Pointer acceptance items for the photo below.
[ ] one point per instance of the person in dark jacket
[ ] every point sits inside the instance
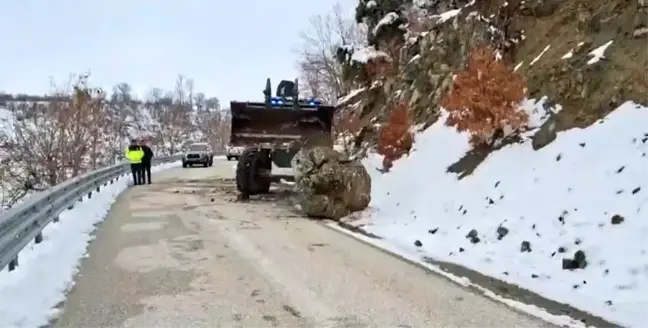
(134, 154)
(146, 162)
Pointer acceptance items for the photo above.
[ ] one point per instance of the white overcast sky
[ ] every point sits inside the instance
(227, 47)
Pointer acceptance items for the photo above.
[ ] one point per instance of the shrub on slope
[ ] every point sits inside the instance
(485, 99)
(395, 138)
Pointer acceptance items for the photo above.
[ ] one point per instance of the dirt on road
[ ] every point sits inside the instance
(184, 253)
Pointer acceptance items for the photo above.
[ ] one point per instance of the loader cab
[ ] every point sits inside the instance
(286, 89)
(287, 93)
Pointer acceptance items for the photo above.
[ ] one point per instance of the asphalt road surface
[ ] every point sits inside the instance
(183, 253)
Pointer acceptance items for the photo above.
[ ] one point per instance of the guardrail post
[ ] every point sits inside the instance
(13, 263)
(56, 219)
(90, 195)
(39, 238)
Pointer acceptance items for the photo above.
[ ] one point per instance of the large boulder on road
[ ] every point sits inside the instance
(329, 184)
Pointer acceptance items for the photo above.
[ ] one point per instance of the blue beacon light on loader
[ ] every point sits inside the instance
(277, 101)
(314, 102)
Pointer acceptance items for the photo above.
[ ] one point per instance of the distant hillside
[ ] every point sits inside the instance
(45, 140)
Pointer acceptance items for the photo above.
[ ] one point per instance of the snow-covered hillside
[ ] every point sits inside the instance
(523, 215)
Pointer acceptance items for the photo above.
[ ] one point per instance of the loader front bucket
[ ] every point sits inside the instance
(256, 124)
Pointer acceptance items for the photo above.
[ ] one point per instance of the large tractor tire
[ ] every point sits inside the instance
(252, 172)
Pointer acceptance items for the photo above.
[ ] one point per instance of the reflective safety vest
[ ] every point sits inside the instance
(134, 156)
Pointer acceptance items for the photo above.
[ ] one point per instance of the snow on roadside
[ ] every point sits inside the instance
(29, 294)
(588, 191)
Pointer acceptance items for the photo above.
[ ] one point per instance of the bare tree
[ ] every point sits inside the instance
(222, 135)
(121, 115)
(200, 100)
(47, 143)
(175, 121)
(122, 92)
(189, 86)
(84, 116)
(321, 72)
(180, 91)
(212, 104)
(153, 99)
(215, 126)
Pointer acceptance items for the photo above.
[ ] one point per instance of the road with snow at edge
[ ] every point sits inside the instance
(183, 253)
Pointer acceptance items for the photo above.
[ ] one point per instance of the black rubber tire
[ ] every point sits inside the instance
(248, 178)
(184, 165)
(229, 158)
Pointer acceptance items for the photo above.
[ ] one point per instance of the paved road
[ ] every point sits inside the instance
(183, 253)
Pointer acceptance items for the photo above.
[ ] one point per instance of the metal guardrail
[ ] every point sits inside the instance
(25, 222)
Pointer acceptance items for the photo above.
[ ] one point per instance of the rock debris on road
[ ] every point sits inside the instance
(182, 253)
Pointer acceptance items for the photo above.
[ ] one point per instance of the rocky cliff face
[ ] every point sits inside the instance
(587, 56)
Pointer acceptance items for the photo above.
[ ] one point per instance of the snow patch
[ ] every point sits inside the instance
(540, 55)
(518, 66)
(388, 19)
(530, 210)
(364, 55)
(344, 100)
(598, 53)
(538, 113)
(568, 55)
(443, 17)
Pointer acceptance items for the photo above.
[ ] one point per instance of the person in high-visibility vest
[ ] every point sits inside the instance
(134, 154)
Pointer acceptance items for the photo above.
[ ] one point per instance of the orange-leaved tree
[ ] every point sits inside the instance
(485, 99)
(395, 138)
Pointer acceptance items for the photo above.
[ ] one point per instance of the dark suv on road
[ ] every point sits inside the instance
(198, 153)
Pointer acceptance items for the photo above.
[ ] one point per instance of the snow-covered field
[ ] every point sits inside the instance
(29, 294)
(523, 211)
